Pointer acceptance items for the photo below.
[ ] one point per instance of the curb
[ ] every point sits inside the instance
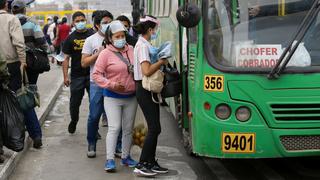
(12, 162)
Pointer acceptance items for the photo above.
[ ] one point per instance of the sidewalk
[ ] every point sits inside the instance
(63, 156)
(49, 85)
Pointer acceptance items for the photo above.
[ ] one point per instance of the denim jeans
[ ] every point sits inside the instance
(30, 116)
(77, 88)
(95, 111)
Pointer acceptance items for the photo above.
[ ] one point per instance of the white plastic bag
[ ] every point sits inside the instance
(301, 57)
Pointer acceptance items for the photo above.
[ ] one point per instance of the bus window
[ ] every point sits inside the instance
(252, 33)
(167, 7)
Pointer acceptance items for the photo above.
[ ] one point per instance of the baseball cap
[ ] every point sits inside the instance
(116, 26)
(18, 4)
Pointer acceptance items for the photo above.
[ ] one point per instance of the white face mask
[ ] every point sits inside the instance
(50, 21)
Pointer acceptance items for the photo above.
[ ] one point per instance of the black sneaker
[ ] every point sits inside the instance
(72, 127)
(158, 169)
(37, 143)
(142, 169)
(2, 159)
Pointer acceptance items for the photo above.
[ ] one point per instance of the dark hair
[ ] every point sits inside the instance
(124, 18)
(108, 36)
(94, 14)
(102, 14)
(55, 19)
(77, 14)
(64, 20)
(3, 4)
(18, 10)
(143, 27)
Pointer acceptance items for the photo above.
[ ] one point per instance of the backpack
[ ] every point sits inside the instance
(37, 59)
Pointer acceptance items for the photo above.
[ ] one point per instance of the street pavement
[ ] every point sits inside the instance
(63, 156)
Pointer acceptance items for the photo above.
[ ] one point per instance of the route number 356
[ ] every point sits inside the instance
(213, 83)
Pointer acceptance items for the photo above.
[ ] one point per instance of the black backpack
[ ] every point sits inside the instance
(37, 59)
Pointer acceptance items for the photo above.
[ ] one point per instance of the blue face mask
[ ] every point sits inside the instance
(104, 28)
(119, 43)
(154, 36)
(81, 25)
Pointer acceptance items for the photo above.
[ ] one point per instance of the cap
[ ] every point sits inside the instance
(116, 26)
(18, 4)
(49, 18)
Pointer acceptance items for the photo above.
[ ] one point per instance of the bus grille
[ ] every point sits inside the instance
(192, 64)
(298, 143)
(296, 112)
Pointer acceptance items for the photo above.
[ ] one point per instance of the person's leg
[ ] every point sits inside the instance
(114, 116)
(95, 111)
(77, 89)
(128, 117)
(152, 115)
(32, 77)
(33, 127)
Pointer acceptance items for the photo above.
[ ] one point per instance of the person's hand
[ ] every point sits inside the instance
(66, 82)
(254, 11)
(119, 87)
(100, 49)
(164, 61)
(23, 65)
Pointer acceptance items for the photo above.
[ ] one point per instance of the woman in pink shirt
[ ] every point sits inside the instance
(113, 71)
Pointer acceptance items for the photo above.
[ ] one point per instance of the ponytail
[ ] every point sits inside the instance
(143, 26)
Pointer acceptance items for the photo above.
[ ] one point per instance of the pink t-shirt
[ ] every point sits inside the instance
(109, 70)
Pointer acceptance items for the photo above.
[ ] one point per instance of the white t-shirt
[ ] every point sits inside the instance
(91, 46)
(141, 54)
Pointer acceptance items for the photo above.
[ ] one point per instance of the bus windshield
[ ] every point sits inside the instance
(246, 34)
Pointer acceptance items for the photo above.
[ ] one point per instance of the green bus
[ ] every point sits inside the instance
(250, 68)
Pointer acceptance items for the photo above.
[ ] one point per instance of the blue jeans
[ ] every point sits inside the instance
(95, 111)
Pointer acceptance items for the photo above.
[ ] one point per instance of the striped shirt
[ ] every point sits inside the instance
(141, 54)
(33, 35)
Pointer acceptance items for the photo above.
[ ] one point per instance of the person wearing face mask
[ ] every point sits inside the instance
(45, 30)
(80, 77)
(143, 66)
(127, 24)
(90, 52)
(113, 72)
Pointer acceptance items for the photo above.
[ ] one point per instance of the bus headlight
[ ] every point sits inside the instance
(223, 111)
(243, 114)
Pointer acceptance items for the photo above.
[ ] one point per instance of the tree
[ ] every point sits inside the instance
(67, 7)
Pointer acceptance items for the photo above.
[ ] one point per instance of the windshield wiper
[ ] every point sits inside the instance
(298, 36)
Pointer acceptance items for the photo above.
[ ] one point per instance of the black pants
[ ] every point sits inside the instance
(77, 88)
(151, 112)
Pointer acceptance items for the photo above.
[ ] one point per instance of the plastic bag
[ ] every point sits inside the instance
(140, 129)
(11, 121)
(301, 57)
(164, 51)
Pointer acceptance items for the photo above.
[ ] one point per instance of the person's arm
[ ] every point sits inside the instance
(87, 60)
(98, 74)
(17, 39)
(40, 39)
(65, 68)
(148, 69)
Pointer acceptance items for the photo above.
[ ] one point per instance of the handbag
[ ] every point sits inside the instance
(153, 83)
(172, 83)
(27, 95)
(37, 60)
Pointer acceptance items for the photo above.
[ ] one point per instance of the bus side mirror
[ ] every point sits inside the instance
(188, 15)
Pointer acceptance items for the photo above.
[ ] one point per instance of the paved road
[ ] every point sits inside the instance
(64, 156)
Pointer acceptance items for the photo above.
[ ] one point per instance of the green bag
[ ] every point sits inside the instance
(27, 95)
